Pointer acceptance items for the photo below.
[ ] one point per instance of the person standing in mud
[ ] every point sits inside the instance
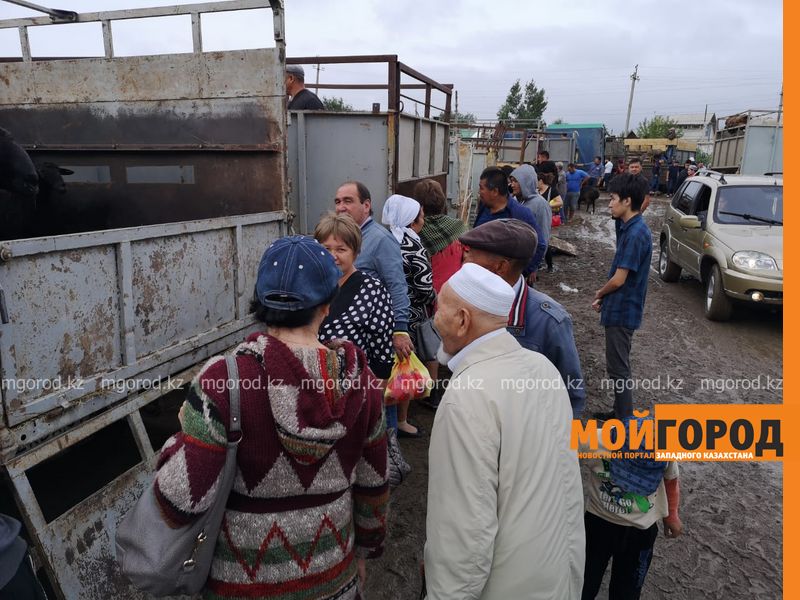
(635, 169)
(626, 497)
(499, 527)
(620, 301)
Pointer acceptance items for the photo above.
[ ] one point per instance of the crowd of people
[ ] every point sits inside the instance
(319, 446)
(321, 450)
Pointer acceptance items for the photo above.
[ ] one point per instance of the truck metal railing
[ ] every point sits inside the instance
(512, 141)
(751, 142)
(387, 149)
(393, 85)
(107, 17)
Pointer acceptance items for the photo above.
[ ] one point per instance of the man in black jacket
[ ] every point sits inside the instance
(302, 99)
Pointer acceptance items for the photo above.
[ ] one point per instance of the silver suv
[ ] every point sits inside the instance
(727, 231)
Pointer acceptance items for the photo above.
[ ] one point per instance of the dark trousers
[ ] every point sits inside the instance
(24, 585)
(548, 257)
(618, 365)
(630, 549)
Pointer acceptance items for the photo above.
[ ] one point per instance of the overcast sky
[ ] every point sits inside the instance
(723, 53)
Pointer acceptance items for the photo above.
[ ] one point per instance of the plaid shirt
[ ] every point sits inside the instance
(624, 307)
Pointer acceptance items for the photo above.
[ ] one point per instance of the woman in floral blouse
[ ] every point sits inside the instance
(405, 217)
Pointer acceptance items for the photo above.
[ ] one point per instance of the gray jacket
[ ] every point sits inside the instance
(380, 256)
(526, 175)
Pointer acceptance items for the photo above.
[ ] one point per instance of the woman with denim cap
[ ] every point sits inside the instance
(310, 496)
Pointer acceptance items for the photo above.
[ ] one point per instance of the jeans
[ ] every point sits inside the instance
(571, 201)
(671, 187)
(618, 365)
(654, 183)
(629, 548)
(391, 417)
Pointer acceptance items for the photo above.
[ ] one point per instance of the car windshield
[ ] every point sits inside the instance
(750, 205)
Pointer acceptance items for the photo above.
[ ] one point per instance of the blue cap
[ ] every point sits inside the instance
(296, 272)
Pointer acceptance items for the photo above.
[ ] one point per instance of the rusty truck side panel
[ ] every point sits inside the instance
(115, 292)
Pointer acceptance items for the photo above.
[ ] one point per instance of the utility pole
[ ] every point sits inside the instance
(634, 79)
(316, 84)
(772, 167)
(705, 123)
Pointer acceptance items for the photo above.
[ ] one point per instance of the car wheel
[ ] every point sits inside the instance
(667, 270)
(718, 306)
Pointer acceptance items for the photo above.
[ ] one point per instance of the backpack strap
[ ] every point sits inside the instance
(235, 425)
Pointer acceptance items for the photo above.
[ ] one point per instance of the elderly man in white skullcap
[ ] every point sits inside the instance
(505, 502)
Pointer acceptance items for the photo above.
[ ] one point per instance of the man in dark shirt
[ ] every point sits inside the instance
(655, 179)
(683, 174)
(595, 171)
(620, 301)
(672, 177)
(545, 165)
(302, 99)
(635, 168)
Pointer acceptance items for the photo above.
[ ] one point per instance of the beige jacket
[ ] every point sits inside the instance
(505, 503)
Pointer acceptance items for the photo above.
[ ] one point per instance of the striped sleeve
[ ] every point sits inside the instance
(190, 463)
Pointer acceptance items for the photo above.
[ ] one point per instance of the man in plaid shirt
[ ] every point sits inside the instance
(620, 301)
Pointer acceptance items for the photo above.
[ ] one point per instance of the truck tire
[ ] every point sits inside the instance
(667, 270)
(718, 306)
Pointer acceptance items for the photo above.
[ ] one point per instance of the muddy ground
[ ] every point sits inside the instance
(731, 512)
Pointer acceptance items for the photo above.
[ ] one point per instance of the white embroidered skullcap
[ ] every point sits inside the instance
(483, 289)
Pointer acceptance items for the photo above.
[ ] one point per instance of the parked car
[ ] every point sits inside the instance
(727, 231)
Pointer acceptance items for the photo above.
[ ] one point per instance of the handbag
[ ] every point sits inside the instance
(164, 561)
(428, 340)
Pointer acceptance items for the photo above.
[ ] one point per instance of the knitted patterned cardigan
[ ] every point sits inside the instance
(310, 493)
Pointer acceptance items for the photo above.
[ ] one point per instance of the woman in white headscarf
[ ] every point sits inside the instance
(405, 218)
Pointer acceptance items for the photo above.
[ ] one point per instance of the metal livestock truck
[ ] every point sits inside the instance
(142, 269)
(751, 143)
(182, 168)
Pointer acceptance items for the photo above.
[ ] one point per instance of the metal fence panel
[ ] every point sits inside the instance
(326, 149)
(405, 151)
(64, 324)
(182, 286)
(763, 151)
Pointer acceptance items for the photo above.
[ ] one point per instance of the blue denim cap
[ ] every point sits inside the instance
(296, 272)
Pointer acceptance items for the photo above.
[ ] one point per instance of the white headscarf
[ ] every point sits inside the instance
(398, 213)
